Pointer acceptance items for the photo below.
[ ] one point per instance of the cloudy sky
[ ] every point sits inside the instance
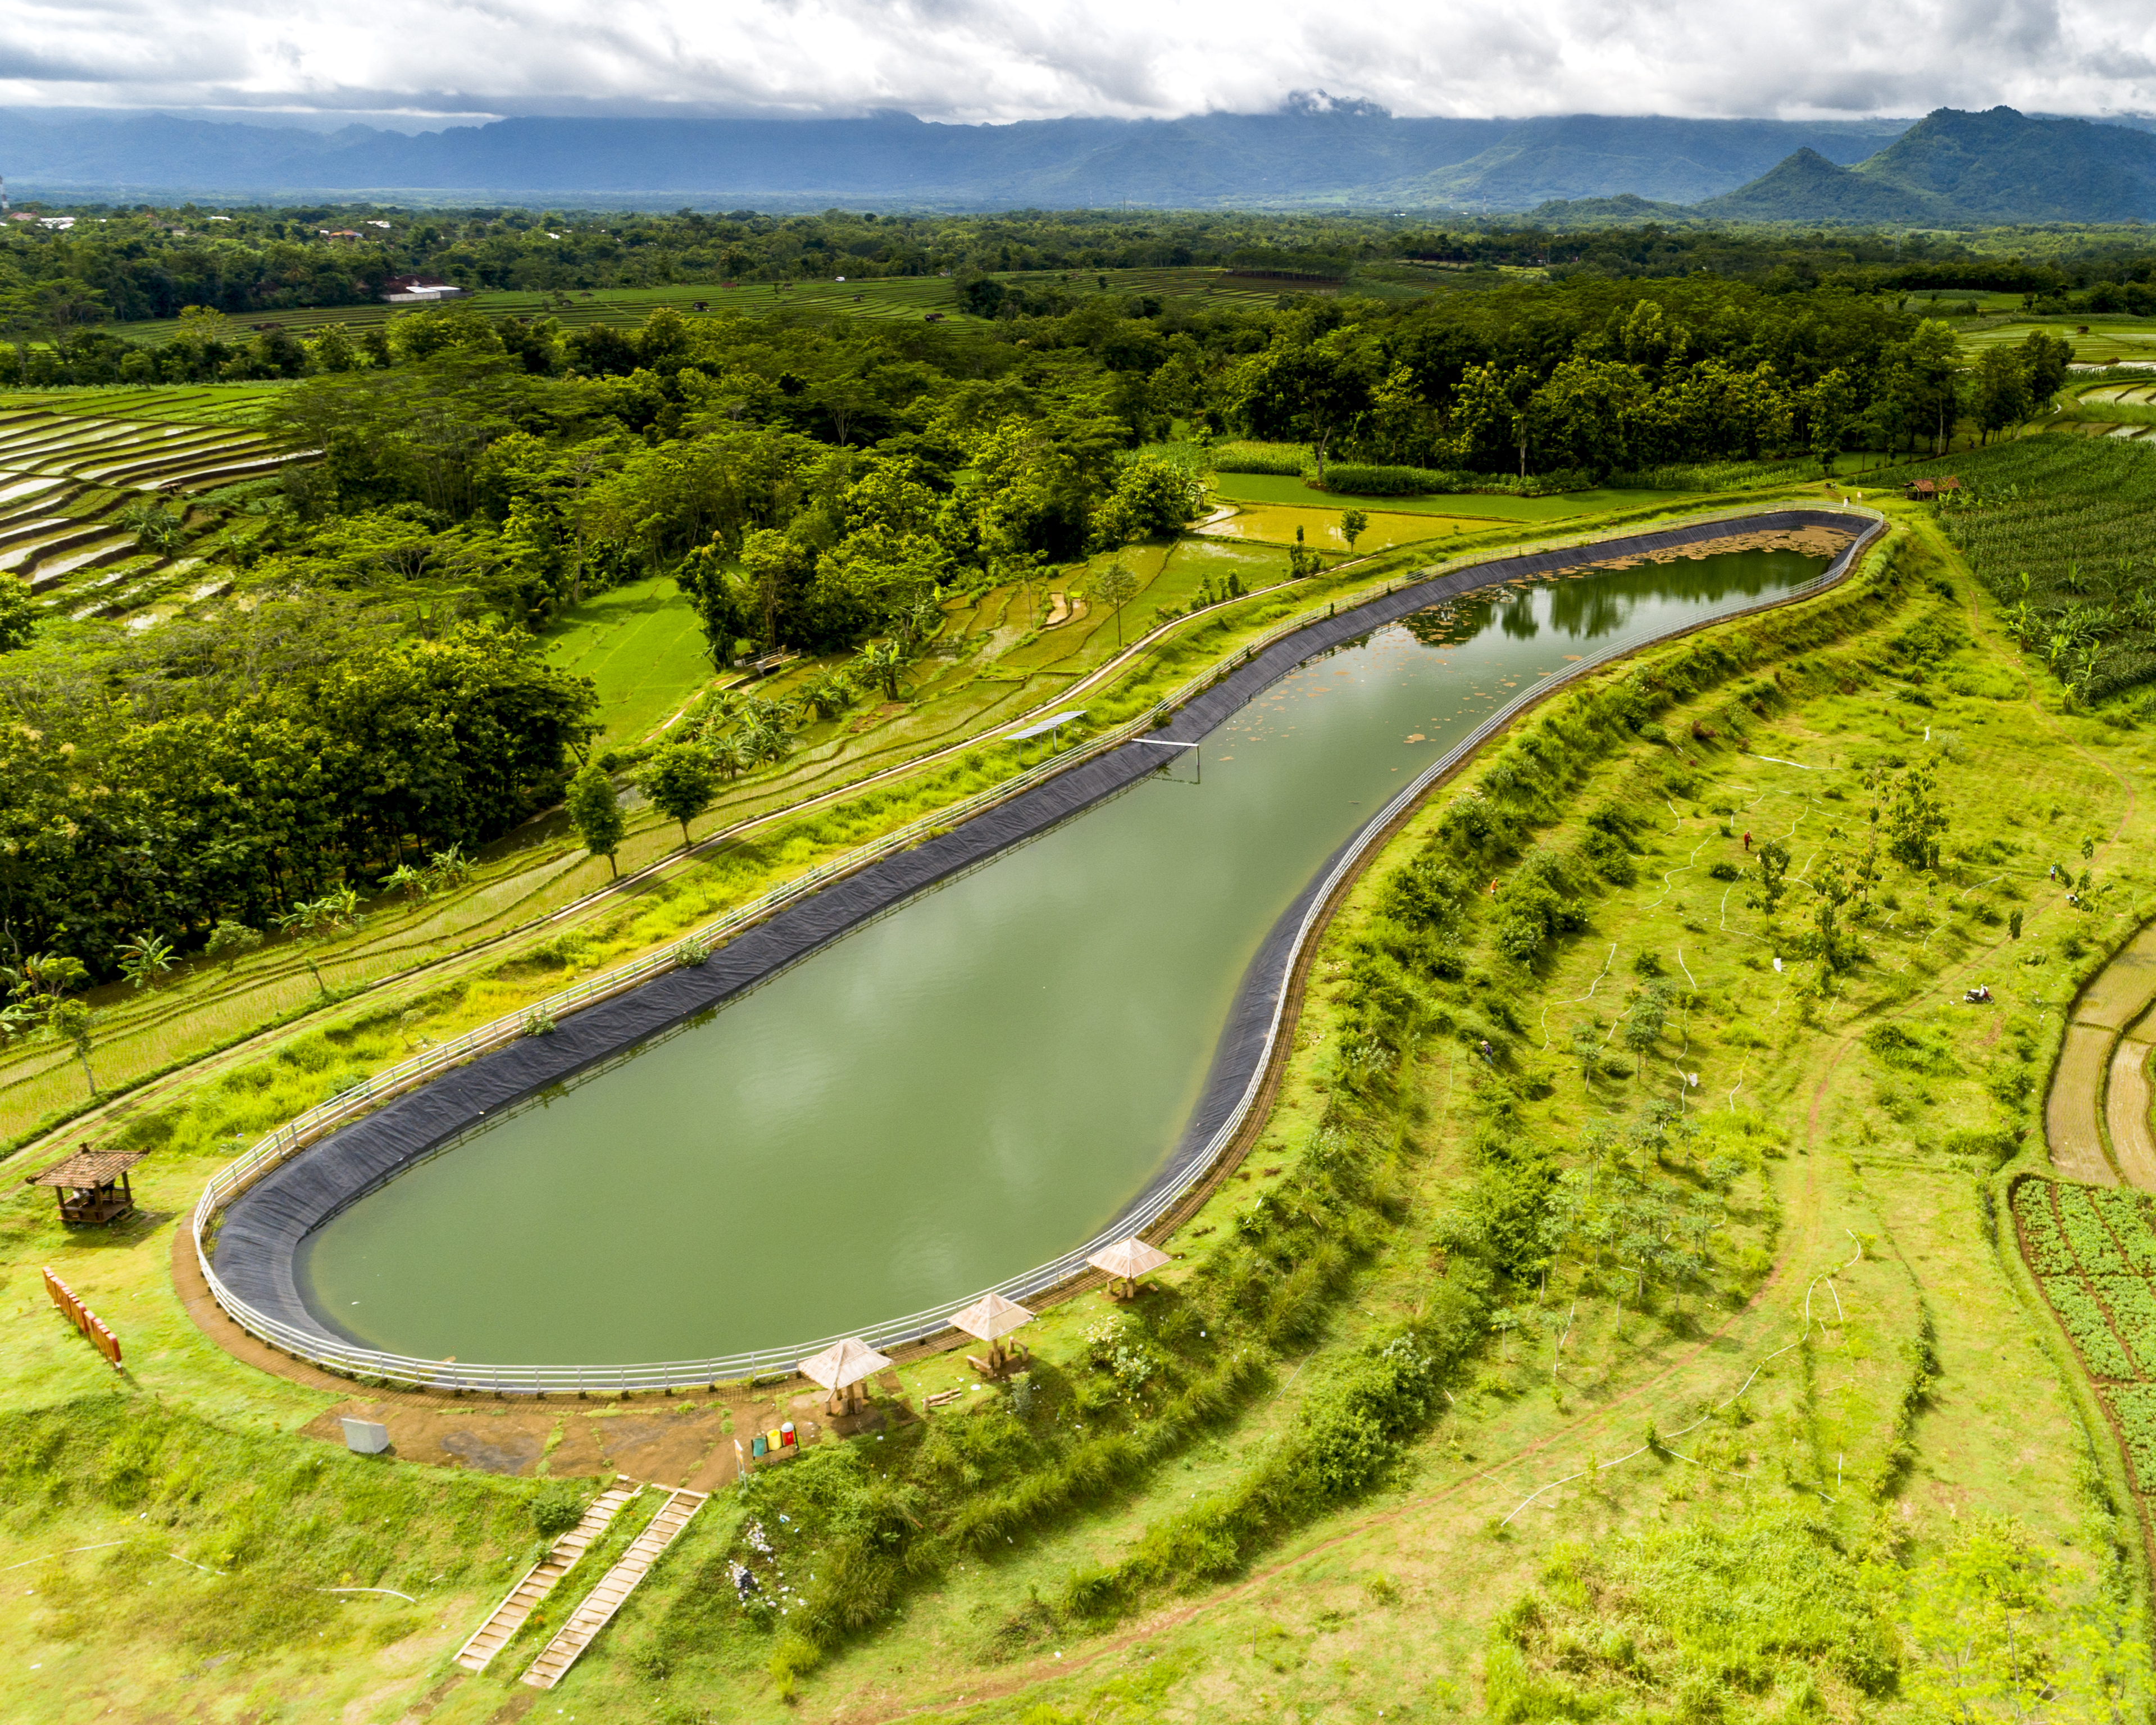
(1012, 60)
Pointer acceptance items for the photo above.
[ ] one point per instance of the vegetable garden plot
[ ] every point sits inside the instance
(2094, 1254)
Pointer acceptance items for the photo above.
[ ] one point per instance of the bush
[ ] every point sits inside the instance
(792, 1659)
(1292, 459)
(556, 1509)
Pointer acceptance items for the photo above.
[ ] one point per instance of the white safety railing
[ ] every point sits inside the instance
(318, 1122)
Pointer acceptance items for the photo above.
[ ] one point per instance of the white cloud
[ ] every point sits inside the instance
(1010, 59)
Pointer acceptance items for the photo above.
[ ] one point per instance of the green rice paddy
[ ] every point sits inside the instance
(641, 645)
(2107, 341)
(65, 479)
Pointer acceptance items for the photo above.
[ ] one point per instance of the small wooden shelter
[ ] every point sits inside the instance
(1127, 1260)
(840, 1368)
(93, 1184)
(992, 1317)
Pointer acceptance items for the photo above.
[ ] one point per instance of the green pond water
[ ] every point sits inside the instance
(970, 1087)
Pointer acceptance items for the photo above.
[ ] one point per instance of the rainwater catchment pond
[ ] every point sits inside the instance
(972, 1085)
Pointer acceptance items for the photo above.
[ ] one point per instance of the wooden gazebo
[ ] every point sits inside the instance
(93, 1184)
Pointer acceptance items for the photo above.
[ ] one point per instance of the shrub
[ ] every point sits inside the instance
(1292, 459)
(556, 1509)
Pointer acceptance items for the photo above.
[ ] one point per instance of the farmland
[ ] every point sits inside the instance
(2094, 1251)
(67, 480)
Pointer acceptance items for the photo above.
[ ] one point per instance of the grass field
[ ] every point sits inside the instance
(641, 645)
(1484, 505)
(1869, 1364)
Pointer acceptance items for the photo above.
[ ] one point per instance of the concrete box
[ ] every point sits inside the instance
(364, 1437)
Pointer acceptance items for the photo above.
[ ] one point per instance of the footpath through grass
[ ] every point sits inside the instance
(1759, 1333)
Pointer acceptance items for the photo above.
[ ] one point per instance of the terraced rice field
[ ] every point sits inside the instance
(66, 478)
(2114, 340)
(242, 404)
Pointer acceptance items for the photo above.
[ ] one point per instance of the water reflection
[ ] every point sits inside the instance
(1602, 603)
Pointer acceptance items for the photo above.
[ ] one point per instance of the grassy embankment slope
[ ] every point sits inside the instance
(1906, 1386)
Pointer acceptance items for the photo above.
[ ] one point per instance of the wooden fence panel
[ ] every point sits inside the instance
(84, 1319)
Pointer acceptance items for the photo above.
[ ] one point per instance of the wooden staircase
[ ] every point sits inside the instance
(616, 1585)
(523, 1598)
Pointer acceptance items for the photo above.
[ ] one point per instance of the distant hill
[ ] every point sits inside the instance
(1958, 170)
(1674, 162)
(1314, 152)
(1625, 210)
(1808, 188)
(2005, 167)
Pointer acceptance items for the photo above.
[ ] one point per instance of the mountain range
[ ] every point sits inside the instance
(1951, 169)
(1315, 151)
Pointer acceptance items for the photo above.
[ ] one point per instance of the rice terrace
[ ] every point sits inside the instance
(1226, 960)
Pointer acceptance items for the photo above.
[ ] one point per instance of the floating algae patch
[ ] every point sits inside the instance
(972, 1085)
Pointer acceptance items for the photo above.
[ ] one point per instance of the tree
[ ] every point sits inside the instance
(19, 614)
(595, 811)
(2002, 395)
(1773, 873)
(1916, 819)
(703, 578)
(1586, 1048)
(1830, 405)
(42, 1002)
(829, 693)
(883, 664)
(1315, 386)
(1114, 587)
(229, 940)
(314, 921)
(1153, 496)
(680, 781)
(2045, 359)
(1353, 524)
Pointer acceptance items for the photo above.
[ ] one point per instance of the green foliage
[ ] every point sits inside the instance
(19, 614)
(1680, 1620)
(595, 811)
(557, 1508)
(347, 755)
(680, 781)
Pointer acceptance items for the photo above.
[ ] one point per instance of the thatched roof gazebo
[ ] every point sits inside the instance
(841, 1367)
(992, 1317)
(1127, 1260)
(93, 1185)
